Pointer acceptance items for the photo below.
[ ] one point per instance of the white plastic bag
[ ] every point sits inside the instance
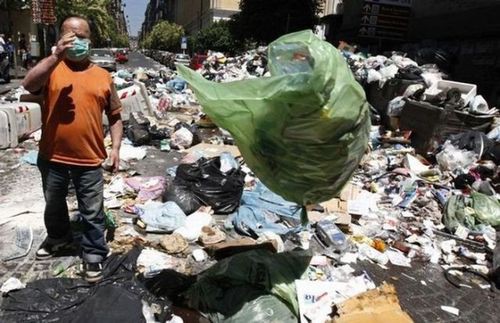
(182, 138)
(453, 159)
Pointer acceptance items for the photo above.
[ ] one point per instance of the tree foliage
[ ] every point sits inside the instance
(265, 20)
(164, 36)
(217, 37)
(120, 40)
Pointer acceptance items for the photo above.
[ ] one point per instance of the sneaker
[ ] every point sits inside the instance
(48, 249)
(92, 271)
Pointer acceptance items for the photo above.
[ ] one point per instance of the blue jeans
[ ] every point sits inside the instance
(88, 182)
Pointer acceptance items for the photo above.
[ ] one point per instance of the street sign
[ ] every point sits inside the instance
(184, 42)
(385, 19)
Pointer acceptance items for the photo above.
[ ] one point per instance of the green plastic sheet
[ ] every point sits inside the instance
(471, 211)
(303, 130)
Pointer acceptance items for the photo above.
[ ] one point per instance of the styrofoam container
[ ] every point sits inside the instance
(468, 90)
(134, 98)
(8, 128)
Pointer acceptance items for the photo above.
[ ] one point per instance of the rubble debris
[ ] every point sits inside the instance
(174, 244)
(211, 235)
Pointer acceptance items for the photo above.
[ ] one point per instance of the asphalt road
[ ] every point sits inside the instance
(136, 60)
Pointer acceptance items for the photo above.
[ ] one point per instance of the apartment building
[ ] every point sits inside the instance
(195, 15)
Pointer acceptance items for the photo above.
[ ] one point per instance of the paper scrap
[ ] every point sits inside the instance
(450, 309)
(462, 232)
(319, 261)
(397, 258)
(349, 258)
(210, 150)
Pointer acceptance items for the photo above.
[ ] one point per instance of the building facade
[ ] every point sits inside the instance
(116, 9)
(156, 11)
(195, 15)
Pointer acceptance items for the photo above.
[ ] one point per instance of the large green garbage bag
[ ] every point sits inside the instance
(223, 289)
(471, 211)
(303, 130)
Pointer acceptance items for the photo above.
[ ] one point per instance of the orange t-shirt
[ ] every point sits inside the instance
(72, 130)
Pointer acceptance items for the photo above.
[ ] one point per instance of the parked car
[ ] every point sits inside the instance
(104, 58)
(197, 61)
(181, 59)
(121, 56)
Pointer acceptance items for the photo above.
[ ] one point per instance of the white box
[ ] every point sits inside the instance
(469, 91)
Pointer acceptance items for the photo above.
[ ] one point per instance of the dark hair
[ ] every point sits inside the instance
(72, 17)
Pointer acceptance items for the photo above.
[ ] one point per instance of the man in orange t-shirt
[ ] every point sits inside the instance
(76, 93)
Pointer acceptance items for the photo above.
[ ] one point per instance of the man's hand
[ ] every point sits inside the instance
(114, 160)
(63, 44)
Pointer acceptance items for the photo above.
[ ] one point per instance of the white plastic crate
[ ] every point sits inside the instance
(29, 117)
(8, 128)
(468, 90)
(134, 98)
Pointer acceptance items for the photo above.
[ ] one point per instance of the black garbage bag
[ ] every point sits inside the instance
(208, 185)
(158, 133)
(138, 129)
(183, 197)
(410, 72)
(117, 298)
(169, 283)
(475, 141)
(440, 57)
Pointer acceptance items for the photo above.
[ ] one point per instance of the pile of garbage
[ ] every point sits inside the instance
(219, 68)
(425, 83)
(283, 226)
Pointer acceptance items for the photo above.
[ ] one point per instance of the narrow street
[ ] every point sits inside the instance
(136, 60)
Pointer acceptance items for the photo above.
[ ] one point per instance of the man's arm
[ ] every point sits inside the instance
(38, 76)
(116, 130)
(115, 126)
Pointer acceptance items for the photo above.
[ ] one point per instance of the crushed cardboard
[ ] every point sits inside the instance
(380, 305)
